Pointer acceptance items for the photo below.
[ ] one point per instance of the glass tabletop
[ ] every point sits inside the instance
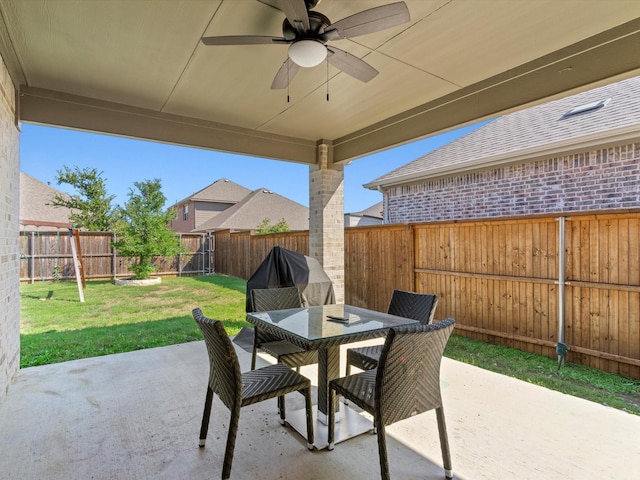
(330, 321)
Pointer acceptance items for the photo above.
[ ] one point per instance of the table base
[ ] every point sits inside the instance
(351, 424)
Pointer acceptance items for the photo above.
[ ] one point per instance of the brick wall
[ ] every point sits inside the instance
(9, 231)
(179, 224)
(598, 180)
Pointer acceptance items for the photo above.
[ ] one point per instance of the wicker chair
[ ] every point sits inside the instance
(406, 383)
(264, 299)
(417, 306)
(237, 390)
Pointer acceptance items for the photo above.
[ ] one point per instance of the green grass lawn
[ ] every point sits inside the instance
(56, 327)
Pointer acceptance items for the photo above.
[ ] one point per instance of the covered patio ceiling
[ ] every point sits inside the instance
(137, 68)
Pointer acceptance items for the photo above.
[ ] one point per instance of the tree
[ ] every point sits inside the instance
(265, 226)
(142, 226)
(91, 206)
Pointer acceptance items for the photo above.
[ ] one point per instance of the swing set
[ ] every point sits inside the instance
(34, 240)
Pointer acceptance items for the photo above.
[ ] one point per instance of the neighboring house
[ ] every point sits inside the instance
(254, 208)
(204, 205)
(36, 213)
(370, 216)
(580, 153)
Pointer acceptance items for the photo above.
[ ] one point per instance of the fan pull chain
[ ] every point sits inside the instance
(327, 62)
(288, 80)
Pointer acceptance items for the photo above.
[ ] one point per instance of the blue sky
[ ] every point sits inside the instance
(183, 170)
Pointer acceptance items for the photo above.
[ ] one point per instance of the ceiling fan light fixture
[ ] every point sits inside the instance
(307, 53)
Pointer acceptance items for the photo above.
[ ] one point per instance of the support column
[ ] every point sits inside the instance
(326, 222)
(9, 234)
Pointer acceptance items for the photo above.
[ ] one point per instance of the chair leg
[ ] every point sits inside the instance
(204, 428)
(347, 372)
(231, 442)
(331, 418)
(309, 409)
(254, 352)
(382, 449)
(282, 409)
(444, 443)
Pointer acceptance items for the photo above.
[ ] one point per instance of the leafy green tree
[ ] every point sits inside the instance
(266, 227)
(142, 228)
(91, 205)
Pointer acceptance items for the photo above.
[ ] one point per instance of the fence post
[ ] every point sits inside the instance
(211, 253)
(32, 258)
(114, 256)
(180, 256)
(202, 249)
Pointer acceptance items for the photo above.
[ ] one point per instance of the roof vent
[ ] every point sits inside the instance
(589, 107)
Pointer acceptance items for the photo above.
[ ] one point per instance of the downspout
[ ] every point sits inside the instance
(385, 206)
(561, 347)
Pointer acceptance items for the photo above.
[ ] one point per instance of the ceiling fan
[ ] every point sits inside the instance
(307, 33)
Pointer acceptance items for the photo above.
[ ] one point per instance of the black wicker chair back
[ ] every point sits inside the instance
(225, 377)
(265, 299)
(416, 306)
(406, 383)
(237, 390)
(413, 355)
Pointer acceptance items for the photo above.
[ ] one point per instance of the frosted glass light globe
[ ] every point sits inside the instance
(307, 53)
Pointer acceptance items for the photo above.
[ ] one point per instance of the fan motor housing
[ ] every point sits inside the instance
(317, 23)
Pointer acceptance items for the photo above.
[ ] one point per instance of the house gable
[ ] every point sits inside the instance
(254, 208)
(203, 205)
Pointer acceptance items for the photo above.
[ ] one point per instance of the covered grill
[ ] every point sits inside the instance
(285, 268)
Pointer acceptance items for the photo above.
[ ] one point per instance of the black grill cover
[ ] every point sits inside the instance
(285, 268)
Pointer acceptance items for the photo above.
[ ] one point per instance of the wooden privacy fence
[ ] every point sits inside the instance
(500, 279)
(47, 256)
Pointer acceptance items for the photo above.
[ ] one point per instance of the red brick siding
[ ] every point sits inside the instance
(179, 224)
(598, 180)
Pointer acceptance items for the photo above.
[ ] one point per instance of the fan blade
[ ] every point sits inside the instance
(370, 21)
(242, 40)
(271, 3)
(285, 75)
(295, 11)
(350, 64)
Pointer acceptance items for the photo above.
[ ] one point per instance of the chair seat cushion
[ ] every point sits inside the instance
(359, 389)
(269, 382)
(364, 358)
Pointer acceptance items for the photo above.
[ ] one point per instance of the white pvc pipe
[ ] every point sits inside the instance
(561, 278)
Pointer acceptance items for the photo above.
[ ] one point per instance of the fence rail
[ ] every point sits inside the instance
(47, 256)
(500, 279)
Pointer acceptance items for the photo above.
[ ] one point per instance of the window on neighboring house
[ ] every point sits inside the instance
(185, 212)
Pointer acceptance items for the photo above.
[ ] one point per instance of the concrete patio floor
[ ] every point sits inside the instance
(137, 416)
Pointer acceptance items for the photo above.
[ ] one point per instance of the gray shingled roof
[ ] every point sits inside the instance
(34, 197)
(531, 133)
(220, 191)
(374, 211)
(254, 208)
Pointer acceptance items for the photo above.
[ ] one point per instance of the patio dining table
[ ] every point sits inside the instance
(325, 328)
